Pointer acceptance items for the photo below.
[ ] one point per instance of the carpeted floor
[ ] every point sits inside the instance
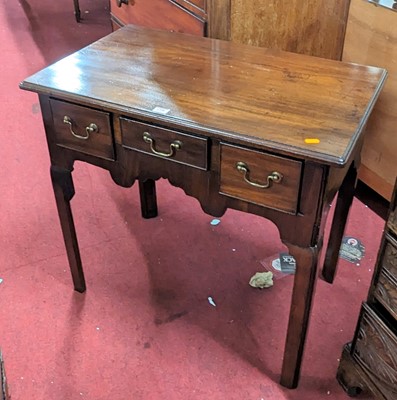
(144, 329)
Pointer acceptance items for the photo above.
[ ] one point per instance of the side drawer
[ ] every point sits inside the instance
(165, 143)
(386, 285)
(260, 178)
(83, 129)
(375, 350)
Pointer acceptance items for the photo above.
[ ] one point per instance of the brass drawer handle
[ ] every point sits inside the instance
(275, 176)
(175, 145)
(121, 2)
(91, 128)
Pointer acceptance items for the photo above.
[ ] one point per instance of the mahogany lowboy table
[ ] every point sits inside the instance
(262, 131)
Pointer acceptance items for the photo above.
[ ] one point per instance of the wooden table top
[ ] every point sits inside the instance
(296, 104)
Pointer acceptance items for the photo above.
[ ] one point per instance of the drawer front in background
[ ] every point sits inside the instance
(392, 223)
(165, 143)
(157, 14)
(282, 195)
(83, 129)
(196, 7)
(375, 350)
(386, 286)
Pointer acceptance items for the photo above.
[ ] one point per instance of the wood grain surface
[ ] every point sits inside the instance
(371, 38)
(295, 104)
(158, 14)
(313, 27)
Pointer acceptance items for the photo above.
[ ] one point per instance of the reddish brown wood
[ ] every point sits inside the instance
(147, 194)
(192, 150)
(302, 298)
(98, 143)
(158, 14)
(281, 195)
(345, 199)
(64, 191)
(265, 104)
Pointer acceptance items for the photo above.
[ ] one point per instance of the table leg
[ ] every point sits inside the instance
(62, 183)
(147, 193)
(344, 201)
(77, 12)
(302, 295)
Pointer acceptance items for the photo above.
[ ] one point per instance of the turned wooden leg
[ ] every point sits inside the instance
(344, 201)
(302, 295)
(77, 12)
(147, 193)
(64, 191)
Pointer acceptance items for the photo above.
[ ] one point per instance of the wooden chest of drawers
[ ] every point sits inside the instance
(177, 15)
(369, 363)
(269, 133)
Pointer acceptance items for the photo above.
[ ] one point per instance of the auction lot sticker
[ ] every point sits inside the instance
(352, 249)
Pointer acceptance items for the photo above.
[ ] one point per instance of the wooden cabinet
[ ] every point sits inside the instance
(160, 14)
(292, 25)
(371, 38)
(369, 363)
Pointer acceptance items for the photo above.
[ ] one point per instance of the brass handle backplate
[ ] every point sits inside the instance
(275, 176)
(91, 128)
(121, 2)
(174, 146)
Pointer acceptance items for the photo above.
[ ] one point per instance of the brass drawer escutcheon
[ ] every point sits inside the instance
(91, 128)
(174, 146)
(275, 176)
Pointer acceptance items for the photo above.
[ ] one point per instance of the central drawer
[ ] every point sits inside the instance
(165, 143)
(260, 178)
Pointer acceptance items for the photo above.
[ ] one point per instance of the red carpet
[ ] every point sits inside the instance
(144, 329)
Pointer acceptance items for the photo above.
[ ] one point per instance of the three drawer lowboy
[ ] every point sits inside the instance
(369, 363)
(262, 131)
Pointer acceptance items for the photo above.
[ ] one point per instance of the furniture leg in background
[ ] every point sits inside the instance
(3, 381)
(77, 12)
(343, 203)
(147, 194)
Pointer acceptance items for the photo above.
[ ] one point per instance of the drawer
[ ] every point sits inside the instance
(196, 7)
(83, 129)
(260, 178)
(375, 350)
(165, 143)
(386, 286)
(157, 14)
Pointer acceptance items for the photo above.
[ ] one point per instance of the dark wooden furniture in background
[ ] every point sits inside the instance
(371, 38)
(266, 132)
(4, 395)
(291, 25)
(369, 363)
(176, 16)
(77, 12)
